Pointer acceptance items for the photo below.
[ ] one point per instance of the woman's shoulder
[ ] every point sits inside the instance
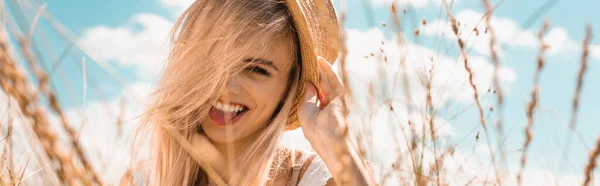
(315, 172)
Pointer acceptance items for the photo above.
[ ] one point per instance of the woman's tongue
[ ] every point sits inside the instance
(221, 117)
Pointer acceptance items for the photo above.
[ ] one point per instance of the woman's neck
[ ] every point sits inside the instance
(235, 155)
(232, 150)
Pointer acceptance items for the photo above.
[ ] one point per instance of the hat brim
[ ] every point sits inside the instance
(317, 27)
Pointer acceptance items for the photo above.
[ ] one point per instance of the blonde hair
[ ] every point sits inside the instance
(207, 42)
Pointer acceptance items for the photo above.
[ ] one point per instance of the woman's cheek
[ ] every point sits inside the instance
(266, 91)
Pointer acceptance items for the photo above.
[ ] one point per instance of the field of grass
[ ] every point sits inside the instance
(404, 101)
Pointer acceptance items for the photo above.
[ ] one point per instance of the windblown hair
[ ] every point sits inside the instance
(208, 42)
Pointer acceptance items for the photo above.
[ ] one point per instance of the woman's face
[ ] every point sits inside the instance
(251, 96)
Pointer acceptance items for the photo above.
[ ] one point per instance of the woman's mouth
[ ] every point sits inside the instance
(226, 113)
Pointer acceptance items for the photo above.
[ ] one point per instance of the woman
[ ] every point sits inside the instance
(240, 73)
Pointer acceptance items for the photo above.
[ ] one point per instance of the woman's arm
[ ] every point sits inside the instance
(346, 165)
(323, 124)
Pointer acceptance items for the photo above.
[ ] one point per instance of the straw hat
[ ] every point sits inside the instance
(318, 31)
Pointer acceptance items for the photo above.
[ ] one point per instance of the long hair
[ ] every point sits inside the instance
(208, 41)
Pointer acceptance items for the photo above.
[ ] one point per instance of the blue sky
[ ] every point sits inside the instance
(558, 78)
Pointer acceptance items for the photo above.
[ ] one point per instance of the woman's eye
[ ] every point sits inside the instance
(258, 70)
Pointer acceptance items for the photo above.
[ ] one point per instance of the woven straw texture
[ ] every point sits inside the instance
(317, 25)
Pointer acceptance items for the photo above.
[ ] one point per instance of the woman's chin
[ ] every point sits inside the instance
(220, 134)
(228, 133)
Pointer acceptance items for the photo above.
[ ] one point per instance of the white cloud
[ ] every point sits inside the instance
(469, 20)
(177, 4)
(507, 32)
(145, 50)
(106, 148)
(559, 41)
(595, 51)
(484, 149)
(106, 143)
(449, 82)
(138, 91)
(544, 177)
(386, 135)
(415, 3)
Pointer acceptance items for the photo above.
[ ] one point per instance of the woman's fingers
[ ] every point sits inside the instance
(333, 78)
(331, 85)
(325, 89)
(309, 108)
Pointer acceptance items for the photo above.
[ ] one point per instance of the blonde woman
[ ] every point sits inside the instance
(240, 73)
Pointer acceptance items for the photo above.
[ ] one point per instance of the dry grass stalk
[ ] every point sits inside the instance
(431, 118)
(15, 84)
(43, 85)
(534, 100)
(576, 97)
(430, 108)
(21, 178)
(592, 163)
(344, 130)
(417, 169)
(210, 171)
(596, 152)
(580, 74)
(343, 66)
(121, 117)
(398, 24)
(465, 56)
(72, 38)
(7, 151)
(127, 179)
(495, 81)
(3, 163)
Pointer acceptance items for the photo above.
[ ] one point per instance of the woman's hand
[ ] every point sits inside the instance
(321, 113)
(322, 120)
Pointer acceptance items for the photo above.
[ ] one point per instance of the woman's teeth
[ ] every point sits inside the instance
(226, 107)
(226, 113)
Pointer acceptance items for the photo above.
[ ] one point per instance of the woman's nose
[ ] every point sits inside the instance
(233, 86)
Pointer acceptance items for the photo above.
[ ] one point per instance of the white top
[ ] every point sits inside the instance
(316, 174)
